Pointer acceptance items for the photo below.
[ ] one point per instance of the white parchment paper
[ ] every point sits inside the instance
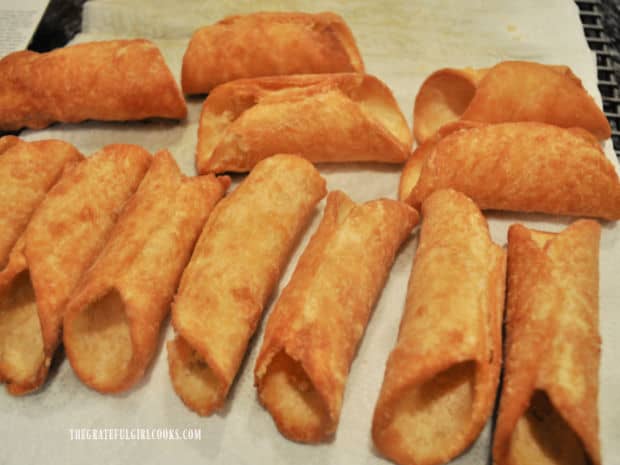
(401, 43)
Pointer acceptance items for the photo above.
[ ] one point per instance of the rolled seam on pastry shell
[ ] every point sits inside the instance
(235, 266)
(116, 80)
(509, 91)
(441, 377)
(268, 44)
(27, 171)
(413, 168)
(523, 166)
(324, 118)
(548, 411)
(111, 327)
(62, 240)
(313, 332)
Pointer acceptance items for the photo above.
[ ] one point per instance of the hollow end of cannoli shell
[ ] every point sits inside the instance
(23, 361)
(543, 437)
(378, 102)
(430, 422)
(298, 408)
(98, 343)
(195, 379)
(442, 98)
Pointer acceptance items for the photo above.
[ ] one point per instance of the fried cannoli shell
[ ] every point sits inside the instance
(235, 266)
(27, 171)
(268, 44)
(319, 319)
(117, 80)
(62, 240)
(413, 167)
(548, 411)
(529, 167)
(324, 118)
(509, 91)
(441, 378)
(112, 322)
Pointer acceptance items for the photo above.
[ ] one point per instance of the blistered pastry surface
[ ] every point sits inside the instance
(402, 44)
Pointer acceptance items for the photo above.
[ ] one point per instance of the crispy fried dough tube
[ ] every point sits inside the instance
(235, 266)
(117, 80)
(548, 412)
(530, 167)
(413, 167)
(27, 171)
(62, 240)
(112, 323)
(441, 378)
(509, 91)
(314, 330)
(324, 118)
(268, 44)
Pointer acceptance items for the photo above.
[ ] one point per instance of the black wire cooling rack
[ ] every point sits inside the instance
(592, 17)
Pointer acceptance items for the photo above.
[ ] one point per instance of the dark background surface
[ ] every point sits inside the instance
(601, 20)
(61, 21)
(601, 23)
(610, 19)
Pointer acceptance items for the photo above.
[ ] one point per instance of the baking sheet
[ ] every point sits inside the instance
(401, 42)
